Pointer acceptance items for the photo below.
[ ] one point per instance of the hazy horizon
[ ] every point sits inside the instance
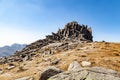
(25, 21)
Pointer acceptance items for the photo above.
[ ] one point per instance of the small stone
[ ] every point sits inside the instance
(86, 64)
(10, 67)
(26, 78)
(26, 58)
(56, 61)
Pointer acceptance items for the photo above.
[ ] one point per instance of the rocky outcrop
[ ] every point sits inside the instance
(51, 71)
(71, 32)
(94, 73)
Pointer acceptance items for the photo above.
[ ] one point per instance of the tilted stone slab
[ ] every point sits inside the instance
(95, 73)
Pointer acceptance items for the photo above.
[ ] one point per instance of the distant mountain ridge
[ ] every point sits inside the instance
(9, 50)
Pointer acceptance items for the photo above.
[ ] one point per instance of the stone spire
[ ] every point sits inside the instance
(72, 31)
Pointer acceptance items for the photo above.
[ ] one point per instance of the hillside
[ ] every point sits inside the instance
(73, 43)
(9, 50)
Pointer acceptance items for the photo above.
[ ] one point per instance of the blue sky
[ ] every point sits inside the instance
(25, 21)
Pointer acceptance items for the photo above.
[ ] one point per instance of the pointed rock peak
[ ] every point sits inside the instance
(72, 31)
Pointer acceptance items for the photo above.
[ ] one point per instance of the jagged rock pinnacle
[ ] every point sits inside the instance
(72, 31)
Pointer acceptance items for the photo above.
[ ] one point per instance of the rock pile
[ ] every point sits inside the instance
(72, 31)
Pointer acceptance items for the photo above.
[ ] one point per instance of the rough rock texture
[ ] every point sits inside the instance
(75, 66)
(85, 75)
(71, 32)
(51, 71)
(94, 73)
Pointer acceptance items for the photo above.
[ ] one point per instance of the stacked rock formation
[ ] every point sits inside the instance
(71, 32)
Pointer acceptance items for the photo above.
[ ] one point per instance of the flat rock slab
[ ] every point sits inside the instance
(95, 73)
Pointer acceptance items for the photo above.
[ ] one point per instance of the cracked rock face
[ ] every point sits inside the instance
(79, 73)
(87, 74)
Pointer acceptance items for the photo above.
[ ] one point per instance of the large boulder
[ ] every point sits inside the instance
(86, 74)
(49, 72)
(94, 73)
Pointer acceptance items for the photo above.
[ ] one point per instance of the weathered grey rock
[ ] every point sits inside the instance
(75, 66)
(100, 76)
(70, 75)
(103, 70)
(85, 74)
(49, 72)
(76, 72)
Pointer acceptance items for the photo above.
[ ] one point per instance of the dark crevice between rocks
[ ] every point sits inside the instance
(85, 77)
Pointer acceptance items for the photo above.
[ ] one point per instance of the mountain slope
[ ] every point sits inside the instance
(102, 54)
(72, 32)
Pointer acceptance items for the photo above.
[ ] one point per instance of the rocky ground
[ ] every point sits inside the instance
(70, 52)
(100, 54)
